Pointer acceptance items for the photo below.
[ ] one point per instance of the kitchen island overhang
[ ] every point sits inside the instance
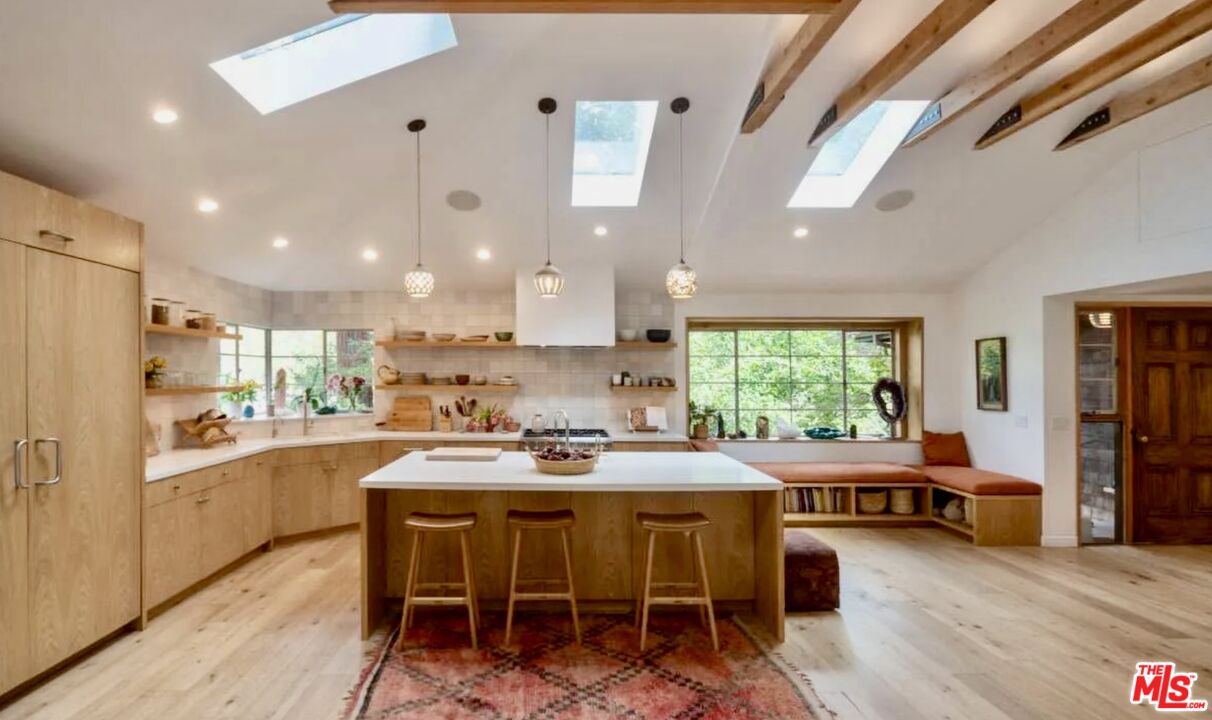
(744, 545)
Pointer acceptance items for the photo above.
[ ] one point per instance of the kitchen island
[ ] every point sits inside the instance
(743, 546)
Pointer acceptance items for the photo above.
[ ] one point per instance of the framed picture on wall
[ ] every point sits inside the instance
(991, 374)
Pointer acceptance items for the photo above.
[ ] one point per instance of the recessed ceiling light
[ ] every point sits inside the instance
(484, 254)
(165, 116)
(370, 254)
(281, 242)
(601, 231)
(207, 205)
(801, 232)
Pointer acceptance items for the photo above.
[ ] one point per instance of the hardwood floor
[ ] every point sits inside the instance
(930, 627)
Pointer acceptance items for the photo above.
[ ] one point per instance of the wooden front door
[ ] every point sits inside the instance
(1172, 425)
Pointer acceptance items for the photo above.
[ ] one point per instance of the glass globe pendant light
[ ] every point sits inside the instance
(548, 281)
(681, 282)
(419, 282)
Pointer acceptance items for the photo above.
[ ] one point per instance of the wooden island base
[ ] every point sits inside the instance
(743, 546)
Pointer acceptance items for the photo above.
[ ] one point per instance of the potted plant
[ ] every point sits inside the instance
(244, 395)
(699, 417)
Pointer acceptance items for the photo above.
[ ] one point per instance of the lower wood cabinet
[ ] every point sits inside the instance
(311, 496)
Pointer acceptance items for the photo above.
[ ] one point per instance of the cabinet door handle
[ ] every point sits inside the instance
(203, 499)
(19, 463)
(58, 460)
(56, 236)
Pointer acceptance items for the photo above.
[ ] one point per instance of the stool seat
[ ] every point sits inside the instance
(541, 519)
(435, 522)
(672, 522)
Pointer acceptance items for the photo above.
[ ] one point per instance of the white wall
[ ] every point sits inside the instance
(1094, 241)
(941, 411)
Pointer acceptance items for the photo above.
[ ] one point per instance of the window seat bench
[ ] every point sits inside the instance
(997, 509)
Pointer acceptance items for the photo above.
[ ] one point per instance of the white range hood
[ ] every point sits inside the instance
(582, 315)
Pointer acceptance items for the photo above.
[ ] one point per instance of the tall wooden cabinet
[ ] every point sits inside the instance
(70, 450)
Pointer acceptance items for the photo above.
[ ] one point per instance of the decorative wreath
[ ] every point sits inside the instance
(880, 393)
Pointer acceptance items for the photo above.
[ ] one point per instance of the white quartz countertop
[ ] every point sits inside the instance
(616, 472)
(176, 462)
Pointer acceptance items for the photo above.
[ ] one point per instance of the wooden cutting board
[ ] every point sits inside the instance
(411, 414)
(459, 453)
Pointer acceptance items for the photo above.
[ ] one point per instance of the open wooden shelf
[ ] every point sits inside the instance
(641, 389)
(846, 518)
(957, 526)
(451, 344)
(151, 329)
(451, 388)
(644, 345)
(192, 390)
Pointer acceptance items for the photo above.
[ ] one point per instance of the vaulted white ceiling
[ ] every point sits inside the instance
(334, 173)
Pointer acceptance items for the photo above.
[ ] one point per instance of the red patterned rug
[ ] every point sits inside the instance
(545, 676)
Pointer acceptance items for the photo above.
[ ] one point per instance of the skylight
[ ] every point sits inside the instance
(330, 55)
(612, 140)
(851, 159)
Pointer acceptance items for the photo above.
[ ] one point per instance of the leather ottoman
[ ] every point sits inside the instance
(813, 580)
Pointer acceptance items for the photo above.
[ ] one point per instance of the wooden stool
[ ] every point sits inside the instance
(420, 524)
(561, 520)
(689, 524)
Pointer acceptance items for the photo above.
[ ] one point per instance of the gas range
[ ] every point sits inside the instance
(578, 436)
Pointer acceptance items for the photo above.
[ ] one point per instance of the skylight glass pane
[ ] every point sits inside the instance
(333, 54)
(851, 159)
(612, 140)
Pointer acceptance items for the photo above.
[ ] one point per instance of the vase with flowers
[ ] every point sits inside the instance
(153, 371)
(347, 389)
(244, 395)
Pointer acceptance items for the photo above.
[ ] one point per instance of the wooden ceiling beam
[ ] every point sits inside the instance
(808, 42)
(1177, 28)
(943, 22)
(1157, 94)
(717, 7)
(1083, 18)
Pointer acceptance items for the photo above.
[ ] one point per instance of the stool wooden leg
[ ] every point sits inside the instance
(572, 593)
(647, 589)
(468, 583)
(410, 587)
(419, 547)
(471, 573)
(698, 546)
(513, 583)
(694, 578)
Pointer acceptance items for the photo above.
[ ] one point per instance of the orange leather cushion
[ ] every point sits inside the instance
(980, 482)
(945, 449)
(808, 472)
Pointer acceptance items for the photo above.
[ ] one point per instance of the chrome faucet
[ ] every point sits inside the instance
(555, 424)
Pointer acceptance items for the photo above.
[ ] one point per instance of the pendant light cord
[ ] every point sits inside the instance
(681, 190)
(418, 134)
(547, 178)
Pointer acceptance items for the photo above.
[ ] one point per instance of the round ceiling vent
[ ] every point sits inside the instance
(463, 200)
(894, 201)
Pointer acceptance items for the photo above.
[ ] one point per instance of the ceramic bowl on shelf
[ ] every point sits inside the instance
(659, 336)
(475, 338)
(503, 336)
(462, 379)
(628, 335)
(443, 337)
(410, 335)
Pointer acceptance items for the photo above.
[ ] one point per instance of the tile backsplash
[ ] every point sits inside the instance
(574, 380)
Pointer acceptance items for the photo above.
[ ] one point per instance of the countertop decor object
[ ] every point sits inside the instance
(548, 281)
(681, 282)
(419, 282)
(388, 375)
(658, 335)
(552, 464)
(823, 433)
(412, 413)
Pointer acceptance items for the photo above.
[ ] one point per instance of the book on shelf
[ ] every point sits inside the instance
(814, 500)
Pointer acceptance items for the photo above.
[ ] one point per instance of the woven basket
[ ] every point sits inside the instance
(564, 467)
(902, 501)
(873, 502)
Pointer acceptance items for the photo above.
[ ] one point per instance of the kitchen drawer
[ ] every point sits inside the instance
(162, 491)
(95, 234)
(326, 453)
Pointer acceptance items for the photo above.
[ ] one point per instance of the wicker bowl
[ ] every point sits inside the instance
(564, 467)
(902, 501)
(873, 502)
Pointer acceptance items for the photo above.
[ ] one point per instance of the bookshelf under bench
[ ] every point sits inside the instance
(840, 505)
